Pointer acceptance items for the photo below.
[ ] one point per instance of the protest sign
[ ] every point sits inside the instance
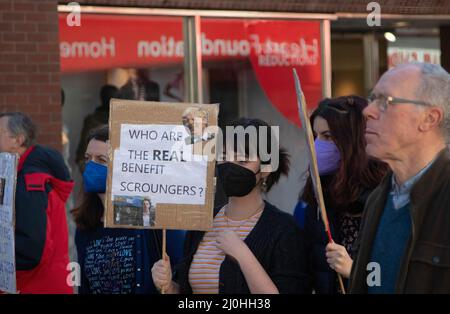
(8, 176)
(161, 169)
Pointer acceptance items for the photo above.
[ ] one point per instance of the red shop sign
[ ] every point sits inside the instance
(273, 47)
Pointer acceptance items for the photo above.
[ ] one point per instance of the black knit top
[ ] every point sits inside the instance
(276, 241)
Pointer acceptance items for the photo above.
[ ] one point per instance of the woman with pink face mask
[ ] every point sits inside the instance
(348, 175)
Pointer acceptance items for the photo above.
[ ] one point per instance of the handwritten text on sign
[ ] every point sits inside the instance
(154, 160)
(8, 170)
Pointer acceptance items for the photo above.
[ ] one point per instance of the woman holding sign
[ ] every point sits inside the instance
(253, 246)
(348, 176)
(112, 260)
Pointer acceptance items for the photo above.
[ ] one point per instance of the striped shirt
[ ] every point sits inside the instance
(205, 266)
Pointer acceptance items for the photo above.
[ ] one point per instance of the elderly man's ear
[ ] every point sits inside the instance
(432, 118)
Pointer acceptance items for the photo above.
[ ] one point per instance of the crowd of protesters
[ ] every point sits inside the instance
(384, 165)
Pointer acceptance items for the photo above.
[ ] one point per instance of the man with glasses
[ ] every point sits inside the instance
(404, 243)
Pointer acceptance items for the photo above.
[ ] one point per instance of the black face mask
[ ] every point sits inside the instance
(236, 180)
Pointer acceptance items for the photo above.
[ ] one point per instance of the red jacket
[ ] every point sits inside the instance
(42, 253)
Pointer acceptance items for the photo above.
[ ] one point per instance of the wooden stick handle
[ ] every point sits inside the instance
(314, 169)
(341, 283)
(163, 253)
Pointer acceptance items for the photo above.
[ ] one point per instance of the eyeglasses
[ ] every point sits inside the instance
(382, 102)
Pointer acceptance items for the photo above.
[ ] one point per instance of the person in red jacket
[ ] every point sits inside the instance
(43, 187)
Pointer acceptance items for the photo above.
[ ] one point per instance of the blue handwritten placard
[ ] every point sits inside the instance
(109, 265)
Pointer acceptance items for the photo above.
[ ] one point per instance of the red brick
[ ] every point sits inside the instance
(47, 138)
(7, 88)
(41, 117)
(25, 27)
(36, 17)
(26, 47)
(53, 56)
(37, 37)
(27, 68)
(6, 27)
(52, 67)
(37, 58)
(14, 37)
(55, 78)
(53, 36)
(7, 67)
(39, 99)
(13, 57)
(28, 88)
(5, 6)
(30, 108)
(49, 126)
(56, 99)
(12, 16)
(15, 78)
(48, 7)
(56, 114)
(48, 47)
(7, 47)
(47, 27)
(9, 108)
(47, 88)
(24, 6)
(38, 77)
(16, 99)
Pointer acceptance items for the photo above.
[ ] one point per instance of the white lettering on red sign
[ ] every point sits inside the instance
(88, 49)
(270, 53)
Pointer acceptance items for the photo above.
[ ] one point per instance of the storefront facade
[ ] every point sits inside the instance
(246, 66)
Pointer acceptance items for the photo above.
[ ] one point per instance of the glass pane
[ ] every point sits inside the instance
(249, 68)
(121, 56)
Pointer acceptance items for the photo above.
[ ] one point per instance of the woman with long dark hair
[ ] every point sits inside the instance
(348, 175)
(112, 260)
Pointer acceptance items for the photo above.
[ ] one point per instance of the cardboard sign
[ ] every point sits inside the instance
(8, 176)
(161, 169)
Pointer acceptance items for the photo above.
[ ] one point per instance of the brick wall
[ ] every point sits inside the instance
(29, 64)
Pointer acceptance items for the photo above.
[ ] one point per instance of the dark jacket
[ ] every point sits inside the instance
(277, 243)
(41, 235)
(324, 279)
(425, 267)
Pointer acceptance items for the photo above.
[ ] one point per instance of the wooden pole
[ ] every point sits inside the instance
(301, 102)
(164, 255)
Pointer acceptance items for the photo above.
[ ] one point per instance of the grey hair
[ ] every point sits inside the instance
(434, 89)
(21, 124)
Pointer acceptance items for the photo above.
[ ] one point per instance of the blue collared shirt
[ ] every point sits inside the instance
(401, 194)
